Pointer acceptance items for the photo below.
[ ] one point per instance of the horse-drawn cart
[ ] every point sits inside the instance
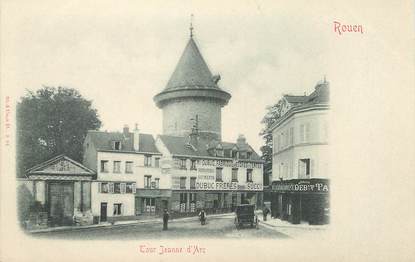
(245, 215)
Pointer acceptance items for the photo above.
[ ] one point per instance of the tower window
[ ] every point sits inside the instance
(117, 145)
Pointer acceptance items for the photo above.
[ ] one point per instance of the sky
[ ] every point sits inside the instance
(120, 54)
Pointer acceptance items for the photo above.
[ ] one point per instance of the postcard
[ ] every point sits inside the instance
(190, 130)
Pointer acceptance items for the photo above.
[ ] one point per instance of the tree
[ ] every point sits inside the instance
(52, 121)
(273, 113)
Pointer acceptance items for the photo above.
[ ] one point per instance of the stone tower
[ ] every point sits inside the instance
(192, 97)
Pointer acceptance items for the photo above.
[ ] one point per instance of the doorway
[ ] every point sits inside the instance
(149, 206)
(234, 202)
(61, 206)
(103, 212)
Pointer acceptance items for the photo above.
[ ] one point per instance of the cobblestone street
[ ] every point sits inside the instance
(216, 227)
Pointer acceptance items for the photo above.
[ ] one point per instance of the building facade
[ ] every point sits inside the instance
(129, 181)
(212, 175)
(300, 185)
(59, 192)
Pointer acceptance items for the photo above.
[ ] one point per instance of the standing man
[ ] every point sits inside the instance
(202, 217)
(265, 213)
(165, 219)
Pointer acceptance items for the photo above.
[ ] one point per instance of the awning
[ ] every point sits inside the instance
(140, 192)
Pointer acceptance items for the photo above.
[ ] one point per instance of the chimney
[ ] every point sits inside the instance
(241, 140)
(194, 134)
(194, 139)
(136, 138)
(125, 130)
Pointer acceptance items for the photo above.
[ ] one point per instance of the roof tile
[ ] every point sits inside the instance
(103, 141)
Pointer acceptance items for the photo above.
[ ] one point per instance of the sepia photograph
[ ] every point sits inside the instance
(173, 130)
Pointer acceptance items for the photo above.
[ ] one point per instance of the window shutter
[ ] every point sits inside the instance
(307, 132)
(134, 188)
(111, 188)
(299, 168)
(312, 162)
(99, 187)
(122, 188)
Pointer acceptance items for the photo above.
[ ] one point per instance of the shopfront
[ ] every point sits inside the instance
(213, 202)
(151, 202)
(301, 200)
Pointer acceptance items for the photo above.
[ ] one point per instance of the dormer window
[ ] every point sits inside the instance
(117, 145)
(242, 155)
(182, 163)
(147, 160)
(234, 154)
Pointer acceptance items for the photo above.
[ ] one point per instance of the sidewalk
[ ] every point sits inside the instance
(121, 223)
(293, 230)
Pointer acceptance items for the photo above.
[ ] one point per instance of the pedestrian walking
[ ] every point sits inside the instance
(165, 219)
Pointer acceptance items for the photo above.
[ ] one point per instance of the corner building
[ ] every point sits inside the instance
(205, 171)
(300, 179)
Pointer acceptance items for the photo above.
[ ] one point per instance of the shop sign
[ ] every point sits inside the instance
(221, 163)
(206, 174)
(228, 186)
(305, 186)
(206, 180)
(228, 163)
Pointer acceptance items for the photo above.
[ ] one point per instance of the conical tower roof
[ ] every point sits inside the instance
(191, 70)
(192, 78)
